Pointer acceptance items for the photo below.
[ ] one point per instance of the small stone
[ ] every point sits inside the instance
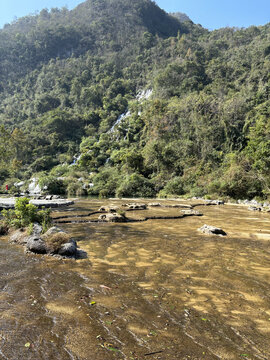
(212, 230)
(191, 213)
(254, 208)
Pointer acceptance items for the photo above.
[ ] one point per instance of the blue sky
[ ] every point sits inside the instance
(211, 14)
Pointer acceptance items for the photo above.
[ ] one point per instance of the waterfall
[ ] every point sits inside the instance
(119, 120)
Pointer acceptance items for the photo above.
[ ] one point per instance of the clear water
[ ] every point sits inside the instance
(145, 290)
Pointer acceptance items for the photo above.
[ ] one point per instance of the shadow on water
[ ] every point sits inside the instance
(157, 289)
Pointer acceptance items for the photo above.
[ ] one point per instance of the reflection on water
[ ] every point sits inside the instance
(157, 289)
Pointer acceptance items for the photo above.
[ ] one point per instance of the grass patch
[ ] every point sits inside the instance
(55, 241)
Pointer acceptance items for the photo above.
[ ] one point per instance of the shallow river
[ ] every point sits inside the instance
(144, 290)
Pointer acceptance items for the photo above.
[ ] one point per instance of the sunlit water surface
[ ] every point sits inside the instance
(143, 290)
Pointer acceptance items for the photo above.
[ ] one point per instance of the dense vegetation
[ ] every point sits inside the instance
(25, 214)
(67, 76)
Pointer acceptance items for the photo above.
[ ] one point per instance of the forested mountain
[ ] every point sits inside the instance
(77, 83)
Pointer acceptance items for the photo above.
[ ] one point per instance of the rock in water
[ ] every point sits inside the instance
(54, 242)
(111, 209)
(36, 245)
(53, 230)
(254, 208)
(154, 204)
(112, 217)
(214, 202)
(212, 230)
(137, 206)
(191, 212)
(68, 249)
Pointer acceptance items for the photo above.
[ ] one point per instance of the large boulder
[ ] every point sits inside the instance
(36, 245)
(59, 242)
(53, 230)
(68, 249)
(212, 230)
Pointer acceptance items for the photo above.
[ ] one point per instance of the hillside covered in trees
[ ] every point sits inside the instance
(120, 98)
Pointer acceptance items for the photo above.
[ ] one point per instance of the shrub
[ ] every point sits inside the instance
(26, 214)
(136, 185)
(75, 188)
(44, 219)
(121, 212)
(52, 184)
(105, 182)
(55, 241)
(174, 187)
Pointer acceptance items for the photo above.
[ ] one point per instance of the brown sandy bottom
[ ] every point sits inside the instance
(152, 290)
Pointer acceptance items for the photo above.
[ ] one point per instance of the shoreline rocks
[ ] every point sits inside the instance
(254, 208)
(9, 203)
(54, 242)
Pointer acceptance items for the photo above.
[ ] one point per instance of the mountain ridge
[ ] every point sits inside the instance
(67, 79)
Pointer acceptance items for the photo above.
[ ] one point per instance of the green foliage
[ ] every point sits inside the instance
(174, 186)
(52, 184)
(75, 188)
(135, 185)
(26, 214)
(121, 212)
(67, 77)
(105, 182)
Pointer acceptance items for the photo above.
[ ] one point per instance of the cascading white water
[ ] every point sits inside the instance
(119, 120)
(142, 95)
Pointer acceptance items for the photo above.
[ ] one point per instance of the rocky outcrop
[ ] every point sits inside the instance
(136, 206)
(68, 249)
(112, 217)
(252, 203)
(54, 242)
(212, 230)
(9, 203)
(109, 208)
(214, 202)
(254, 208)
(18, 237)
(36, 245)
